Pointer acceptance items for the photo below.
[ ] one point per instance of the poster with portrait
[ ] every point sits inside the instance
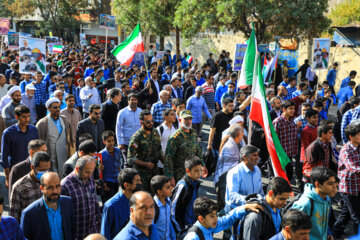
(51, 39)
(239, 56)
(32, 55)
(13, 40)
(83, 39)
(321, 53)
(107, 21)
(291, 56)
(4, 26)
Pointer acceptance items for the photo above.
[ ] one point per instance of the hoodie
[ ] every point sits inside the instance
(320, 215)
(258, 226)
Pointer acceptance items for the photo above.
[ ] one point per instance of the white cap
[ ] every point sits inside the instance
(51, 101)
(13, 89)
(30, 87)
(236, 119)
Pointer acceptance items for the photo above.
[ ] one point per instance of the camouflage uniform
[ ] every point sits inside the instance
(180, 146)
(146, 148)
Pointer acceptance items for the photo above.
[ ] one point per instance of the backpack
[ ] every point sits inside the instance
(182, 234)
(291, 203)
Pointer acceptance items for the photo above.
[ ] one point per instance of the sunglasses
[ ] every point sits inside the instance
(148, 122)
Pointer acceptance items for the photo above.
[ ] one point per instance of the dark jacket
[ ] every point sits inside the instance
(258, 226)
(85, 126)
(189, 92)
(109, 114)
(180, 199)
(273, 114)
(35, 224)
(154, 97)
(18, 171)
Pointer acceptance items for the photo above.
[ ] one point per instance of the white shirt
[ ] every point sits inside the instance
(3, 90)
(164, 137)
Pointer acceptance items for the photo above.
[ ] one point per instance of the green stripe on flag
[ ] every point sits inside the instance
(129, 39)
(249, 58)
(41, 66)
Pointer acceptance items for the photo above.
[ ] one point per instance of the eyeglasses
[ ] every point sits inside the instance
(148, 121)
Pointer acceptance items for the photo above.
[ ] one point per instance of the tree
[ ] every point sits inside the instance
(346, 13)
(288, 19)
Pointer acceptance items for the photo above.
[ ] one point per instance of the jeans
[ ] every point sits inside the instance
(350, 209)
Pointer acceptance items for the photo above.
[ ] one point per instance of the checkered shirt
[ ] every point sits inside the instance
(25, 191)
(157, 110)
(286, 131)
(303, 125)
(290, 91)
(296, 93)
(349, 169)
(86, 206)
(41, 95)
(346, 119)
(10, 229)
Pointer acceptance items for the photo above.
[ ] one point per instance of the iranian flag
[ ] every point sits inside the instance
(189, 58)
(126, 50)
(57, 48)
(260, 114)
(247, 68)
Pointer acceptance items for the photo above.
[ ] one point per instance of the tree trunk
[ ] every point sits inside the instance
(162, 43)
(177, 43)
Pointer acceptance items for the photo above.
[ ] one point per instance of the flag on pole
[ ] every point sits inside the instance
(126, 50)
(270, 68)
(247, 68)
(259, 113)
(57, 48)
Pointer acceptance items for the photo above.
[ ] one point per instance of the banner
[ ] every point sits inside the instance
(32, 55)
(83, 39)
(160, 55)
(13, 40)
(321, 53)
(50, 47)
(239, 56)
(107, 21)
(4, 26)
(51, 39)
(263, 48)
(138, 59)
(292, 58)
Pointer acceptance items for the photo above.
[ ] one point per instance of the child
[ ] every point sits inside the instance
(81, 84)
(112, 162)
(207, 221)
(185, 193)
(160, 186)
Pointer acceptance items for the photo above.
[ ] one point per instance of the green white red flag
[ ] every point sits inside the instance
(57, 48)
(259, 113)
(126, 50)
(189, 58)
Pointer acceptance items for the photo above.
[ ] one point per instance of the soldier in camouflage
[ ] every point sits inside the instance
(145, 150)
(181, 145)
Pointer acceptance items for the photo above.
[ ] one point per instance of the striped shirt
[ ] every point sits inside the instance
(209, 95)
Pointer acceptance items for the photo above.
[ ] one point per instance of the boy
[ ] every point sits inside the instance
(185, 193)
(316, 197)
(161, 187)
(208, 222)
(113, 162)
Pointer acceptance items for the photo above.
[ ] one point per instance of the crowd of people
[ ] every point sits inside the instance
(96, 150)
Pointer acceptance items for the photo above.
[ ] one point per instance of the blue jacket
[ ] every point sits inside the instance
(279, 236)
(197, 105)
(321, 212)
(112, 165)
(344, 95)
(35, 224)
(331, 76)
(132, 232)
(220, 90)
(115, 216)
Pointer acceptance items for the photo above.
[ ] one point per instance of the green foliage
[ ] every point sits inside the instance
(346, 13)
(289, 19)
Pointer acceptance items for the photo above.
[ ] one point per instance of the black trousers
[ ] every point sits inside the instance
(40, 111)
(106, 195)
(350, 209)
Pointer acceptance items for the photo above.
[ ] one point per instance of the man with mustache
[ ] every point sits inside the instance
(52, 216)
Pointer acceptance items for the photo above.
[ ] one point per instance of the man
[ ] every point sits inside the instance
(28, 100)
(243, 179)
(295, 224)
(15, 140)
(345, 93)
(166, 129)
(211, 62)
(158, 108)
(116, 210)
(319, 152)
(287, 132)
(41, 95)
(309, 133)
(220, 90)
(267, 223)
(8, 112)
(27, 189)
(302, 69)
(349, 175)
(10, 228)
(291, 88)
(276, 108)
(191, 89)
(301, 118)
(176, 91)
(316, 203)
(209, 94)
(55, 130)
(89, 95)
(3, 85)
(25, 82)
(270, 93)
(127, 123)
(80, 186)
(219, 122)
(345, 82)
(178, 105)
(229, 158)
(92, 125)
(110, 108)
(298, 100)
(71, 113)
(196, 104)
(347, 117)
(125, 89)
(230, 92)
(22, 168)
(142, 212)
(331, 76)
(156, 87)
(166, 77)
(51, 216)
(144, 150)
(181, 145)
